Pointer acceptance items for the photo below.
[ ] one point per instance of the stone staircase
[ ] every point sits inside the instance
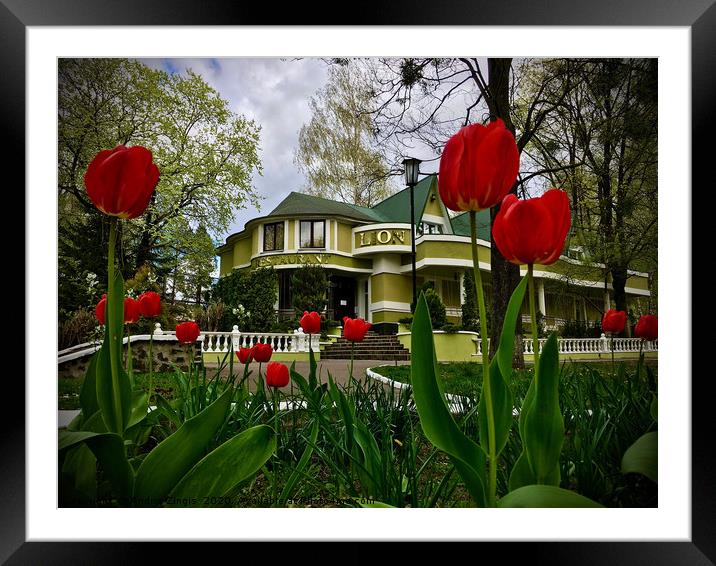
(374, 347)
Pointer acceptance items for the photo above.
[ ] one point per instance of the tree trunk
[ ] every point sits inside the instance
(619, 277)
(505, 275)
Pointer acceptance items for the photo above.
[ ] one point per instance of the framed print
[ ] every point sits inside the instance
(35, 35)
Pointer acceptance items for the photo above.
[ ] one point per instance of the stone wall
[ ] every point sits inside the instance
(164, 351)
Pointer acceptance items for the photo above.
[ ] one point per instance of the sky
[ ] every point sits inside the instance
(273, 92)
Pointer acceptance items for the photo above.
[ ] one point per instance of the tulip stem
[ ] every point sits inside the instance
(112, 324)
(350, 376)
(486, 388)
(276, 427)
(151, 355)
(533, 317)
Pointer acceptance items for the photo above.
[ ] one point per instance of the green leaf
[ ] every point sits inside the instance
(139, 408)
(376, 505)
(312, 381)
(81, 465)
(298, 470)
(543, 427)
(172, 458)
(88, 393)
(166, 409)
(231, 463)
(654, 408)
(435, 418)
(545, 496)
(114, 391)
(642, 457)
(502, 411)
(372, 479)
(108, 448)
(507, 338)
(500, 368)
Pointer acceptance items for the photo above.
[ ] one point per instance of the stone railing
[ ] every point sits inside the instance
(600, 345)
(221, 342)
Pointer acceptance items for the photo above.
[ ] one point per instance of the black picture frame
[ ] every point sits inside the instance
(699, 15)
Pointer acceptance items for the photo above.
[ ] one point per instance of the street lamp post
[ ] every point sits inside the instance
(412, 166)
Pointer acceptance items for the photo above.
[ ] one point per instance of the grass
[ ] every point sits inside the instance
(460, 378)
(604, 412)
(68, 388)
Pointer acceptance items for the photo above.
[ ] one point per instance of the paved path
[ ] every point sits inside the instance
(339, 369)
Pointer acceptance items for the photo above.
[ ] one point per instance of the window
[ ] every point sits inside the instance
(429, 228)
(273, 237)
(312, 233)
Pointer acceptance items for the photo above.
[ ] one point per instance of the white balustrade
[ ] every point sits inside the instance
(223, 342)
(592, 345)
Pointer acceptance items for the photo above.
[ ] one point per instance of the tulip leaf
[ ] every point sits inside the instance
(500, 369)
(172, 458)
(435, 418)
(642, 457)
(109, 450)
(506, 347)
(545, 496)
(298, 470)
(88, 393)
(139, 408)
(114, 390)
(81, 466)
(223, 468)
(501, 409)
(654, 408)
(543, 427)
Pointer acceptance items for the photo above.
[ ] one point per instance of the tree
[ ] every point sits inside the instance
(336, 149)
(607, 125)
(206, 153)
(428, 100)
(309, 284)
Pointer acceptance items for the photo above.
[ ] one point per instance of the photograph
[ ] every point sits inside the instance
(358, 282)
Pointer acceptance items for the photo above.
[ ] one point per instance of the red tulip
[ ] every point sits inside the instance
(614, 321)
(262, 352)
(187, 332)
(150, 304)
(533, 230)
(478, 167)
(354, 329)
(245, 355)
(131, 310)
(311, 322)
(277, 375)
(99, 310)
(120, 181)
(647, 327)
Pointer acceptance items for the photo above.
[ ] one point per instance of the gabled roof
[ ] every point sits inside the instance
(301, 203)
(461, 224)
(396, 208)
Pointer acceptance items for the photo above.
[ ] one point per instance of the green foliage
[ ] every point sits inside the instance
(436, 308)
(470, 312)
(336, 149)
(249, 297)
(581, 329)
(309, 286)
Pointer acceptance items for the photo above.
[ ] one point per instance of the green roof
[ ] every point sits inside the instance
(301, 203)
(461, 224)
(396, 208)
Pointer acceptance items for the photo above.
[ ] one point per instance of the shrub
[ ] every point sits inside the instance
(309, 284)
(249, 298)
(79, 327)
(451, 328)
(581, 329)
(436, 308)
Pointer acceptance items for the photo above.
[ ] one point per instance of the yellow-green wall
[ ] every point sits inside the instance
(390, 287)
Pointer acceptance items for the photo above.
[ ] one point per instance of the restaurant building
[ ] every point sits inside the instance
(367, 255)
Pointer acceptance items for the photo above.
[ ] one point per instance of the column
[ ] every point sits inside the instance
(540, 295)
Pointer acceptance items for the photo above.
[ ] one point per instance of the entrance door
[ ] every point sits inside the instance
(344, 297)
